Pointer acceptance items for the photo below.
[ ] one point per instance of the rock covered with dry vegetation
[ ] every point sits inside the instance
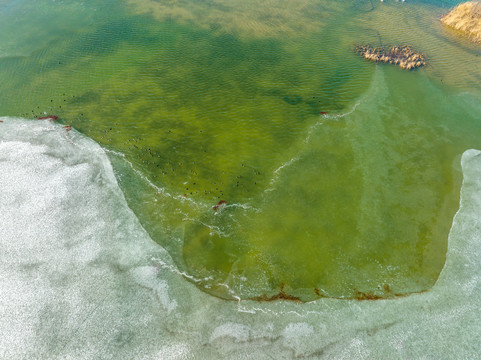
(466, 17)
(403, 56)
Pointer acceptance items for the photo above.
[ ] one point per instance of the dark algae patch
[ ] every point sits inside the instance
(261, 155)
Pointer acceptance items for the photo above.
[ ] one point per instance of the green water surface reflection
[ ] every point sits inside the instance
(339, 176)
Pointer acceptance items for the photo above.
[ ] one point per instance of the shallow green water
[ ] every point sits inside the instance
(340, 175)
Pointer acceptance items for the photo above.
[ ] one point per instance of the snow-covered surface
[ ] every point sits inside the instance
(81, 279)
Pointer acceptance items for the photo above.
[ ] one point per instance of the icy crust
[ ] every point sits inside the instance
(81, 279)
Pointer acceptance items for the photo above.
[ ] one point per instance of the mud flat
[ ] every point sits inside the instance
(466, 18)
(403, 56)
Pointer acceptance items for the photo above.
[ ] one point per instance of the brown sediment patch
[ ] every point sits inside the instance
(367, 296)
(466, 17)
(247, 18)
(281, 295)
(388, 294)
(48, 117)
(403, 56)
(220, 205)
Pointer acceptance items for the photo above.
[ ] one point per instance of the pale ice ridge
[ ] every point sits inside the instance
(81, 279)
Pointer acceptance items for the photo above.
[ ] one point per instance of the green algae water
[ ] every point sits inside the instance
(251, 141)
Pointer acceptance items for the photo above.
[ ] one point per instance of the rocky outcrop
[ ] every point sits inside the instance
(403, 56)
(466, 18)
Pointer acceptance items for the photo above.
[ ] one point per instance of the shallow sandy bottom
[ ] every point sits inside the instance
(82, 279)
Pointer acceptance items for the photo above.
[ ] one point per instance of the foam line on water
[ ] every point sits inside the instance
(161, 264)
(82, 279)
(276, 173)
(197, 204)
(158, 189)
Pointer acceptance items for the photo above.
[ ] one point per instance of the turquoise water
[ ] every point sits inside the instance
(340, 177)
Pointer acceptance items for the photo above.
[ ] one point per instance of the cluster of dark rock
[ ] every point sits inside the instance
(403, 56)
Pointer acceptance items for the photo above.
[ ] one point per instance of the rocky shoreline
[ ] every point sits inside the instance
(403, 56)
(466, 17)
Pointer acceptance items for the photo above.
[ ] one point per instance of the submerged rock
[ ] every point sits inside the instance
(403, 56)
(466, 17)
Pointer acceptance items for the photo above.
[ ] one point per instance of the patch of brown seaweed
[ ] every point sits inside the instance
(403, 56)
(281, 295)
